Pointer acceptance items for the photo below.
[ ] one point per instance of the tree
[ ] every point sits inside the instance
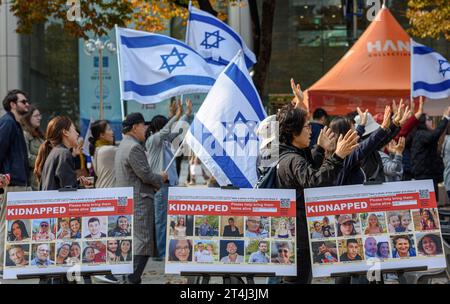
(429, 18)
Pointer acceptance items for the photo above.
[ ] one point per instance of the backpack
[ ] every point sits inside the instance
(268, 178)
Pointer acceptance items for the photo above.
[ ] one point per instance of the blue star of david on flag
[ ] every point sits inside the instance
(442, 65)
(231, 129)
(166, 62)
(216, 43)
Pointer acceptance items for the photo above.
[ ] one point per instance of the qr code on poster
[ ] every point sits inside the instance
(285, 203)
(424, 194)
(122, 201)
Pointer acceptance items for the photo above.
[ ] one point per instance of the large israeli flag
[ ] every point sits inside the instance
(430, 72)
(155, 67)
(223, 133)
(217, 42)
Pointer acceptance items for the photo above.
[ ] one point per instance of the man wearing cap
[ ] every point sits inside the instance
(133, 170)
(346, 225)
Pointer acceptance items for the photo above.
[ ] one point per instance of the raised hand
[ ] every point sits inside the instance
(326, 139)
(400, 146)
(363, 116)
(179, 109)
(297, 90)
(386, 118)
(172, 108)
(420, 109)
(188, 106)
(406, 115)
(346, 144)
(398, 112)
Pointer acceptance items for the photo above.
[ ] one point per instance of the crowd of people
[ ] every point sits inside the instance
(399, 144)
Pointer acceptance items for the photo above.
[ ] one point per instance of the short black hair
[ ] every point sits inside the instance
(319, 113)
(354, 241)
(291, 121)
(94, 219)
(11, 96)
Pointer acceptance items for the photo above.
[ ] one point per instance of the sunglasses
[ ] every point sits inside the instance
(24, 101)
(44, 225)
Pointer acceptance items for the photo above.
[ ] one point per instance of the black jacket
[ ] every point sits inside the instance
(425, 159)
(302, 169)
(13, 151)
(59, 170)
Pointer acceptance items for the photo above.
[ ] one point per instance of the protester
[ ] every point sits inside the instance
(298, 169)
(13, 153)
(426, 160)
(33, 138)
(446, 158)
(393, 163)
(260, 256)
(55, 167)
(319, 121)
(103, 152)
(132, 170)
(159, 138)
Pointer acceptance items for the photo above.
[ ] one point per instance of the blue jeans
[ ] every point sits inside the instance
(161, 198)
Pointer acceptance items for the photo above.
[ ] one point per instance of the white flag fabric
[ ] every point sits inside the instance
(217, 42)
(155, 67)
(430, 72)
(223, 133)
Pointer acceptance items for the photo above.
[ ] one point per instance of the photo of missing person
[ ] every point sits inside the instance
(283, 227)
(17, 255)
(373, 223)
(206, 251)
(426, 219)
(206, 225)
(351, 250)
(348, 225)
(232, 226)
(257, 227)
(429, 244)
(75, 227)
(403, 246)
(257, 251)
(95, 227)
(19, 230)
(321, 227)
(324, 252)
(282, 252)
(181, 225)
(68, 253)
(94, 252)
(377, 247)
(44, 229)
(399, 221)
(43, 254)
(63, 228)
(231, 251)
(119, 226)
(180, 250)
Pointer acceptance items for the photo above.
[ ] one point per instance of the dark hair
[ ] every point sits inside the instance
(119, 250)
(354, 241)
(379, 247)
(430, 215)
(84, 254)
(231, 219)
(11, 96)
(396, 238)
(98, 127)
(74, 244)
(340, 125)
(26, 122)
(422, 125)
(156, 124)
(118, 243)
(117, 222)
(263, 242)
(23, 229)
(74, 219)
(435, 239)
(319, 113)
(291, 122)
(351, 117)
(54, 137)
(60, 248)
(93, 219)
(173, 246)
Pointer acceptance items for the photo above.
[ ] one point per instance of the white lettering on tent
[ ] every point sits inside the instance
(403, 46)
(371, 46)
(389, 44)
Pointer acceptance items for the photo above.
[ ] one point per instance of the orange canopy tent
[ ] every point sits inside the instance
(372, 73)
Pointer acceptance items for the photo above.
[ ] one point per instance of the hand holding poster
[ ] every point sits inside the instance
(395, 225)
(52, 232)
(235, 231)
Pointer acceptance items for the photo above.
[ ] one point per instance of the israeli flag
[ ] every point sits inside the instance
(217, 42)
(430, 73)
(155, 67)
(223, 133)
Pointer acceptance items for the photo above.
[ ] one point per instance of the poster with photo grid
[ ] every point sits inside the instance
(390, 225)
(231, 231)
(69, 232)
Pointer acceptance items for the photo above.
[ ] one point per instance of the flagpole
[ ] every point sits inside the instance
(122, 107)
(411, 53)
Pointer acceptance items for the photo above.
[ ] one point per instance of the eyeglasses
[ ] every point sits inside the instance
(24, 101)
